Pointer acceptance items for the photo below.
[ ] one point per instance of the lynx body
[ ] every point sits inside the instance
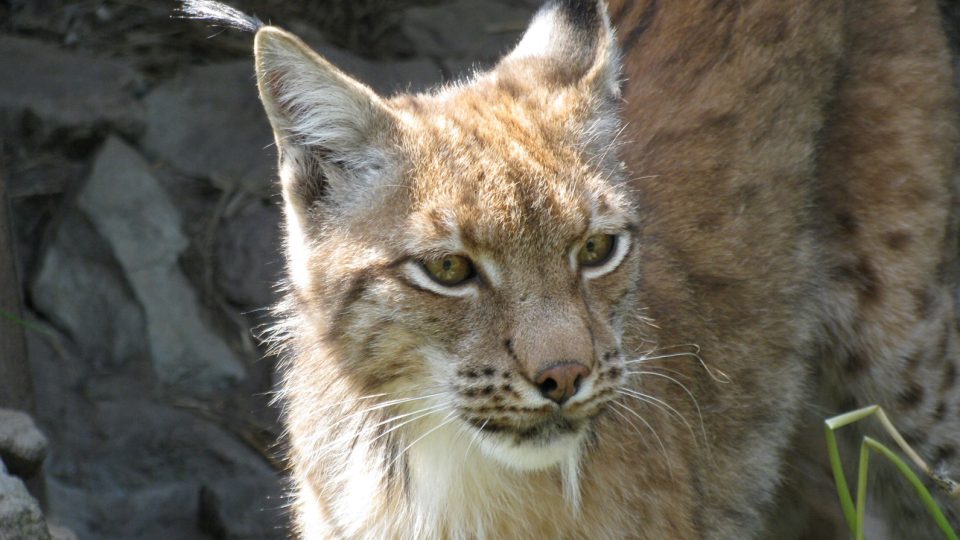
(611, 287)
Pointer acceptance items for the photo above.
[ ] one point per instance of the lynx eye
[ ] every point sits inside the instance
(596, 250)
(451, 270)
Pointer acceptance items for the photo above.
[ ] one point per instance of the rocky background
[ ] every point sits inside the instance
(139, 174)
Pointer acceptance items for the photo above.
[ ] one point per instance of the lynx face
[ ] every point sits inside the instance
(481, 261)
(522, 342)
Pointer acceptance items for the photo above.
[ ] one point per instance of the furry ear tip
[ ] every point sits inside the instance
(584, 14)
(273, 42)
(272, 36)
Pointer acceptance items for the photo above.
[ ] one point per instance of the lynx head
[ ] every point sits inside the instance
(463, 256)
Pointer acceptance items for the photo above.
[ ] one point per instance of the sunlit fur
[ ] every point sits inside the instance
(732, 152)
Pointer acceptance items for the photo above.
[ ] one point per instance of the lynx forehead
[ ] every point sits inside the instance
(608, 288)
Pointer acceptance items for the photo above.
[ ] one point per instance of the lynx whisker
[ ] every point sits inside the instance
(378, 406)
(353, 435)
(426, 411)
(714, 373)
(659, 403)
(694, 346)
(661, 357)
(476, 437)
(635, 427)
(696, 403)
(663, 447)
(446, 420)
(383, 405)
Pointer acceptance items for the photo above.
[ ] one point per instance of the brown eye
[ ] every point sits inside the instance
(450, 270)
(596, 250)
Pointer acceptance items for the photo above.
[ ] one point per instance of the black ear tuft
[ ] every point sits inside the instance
(570, 42)
(218, 14)
(582, 14)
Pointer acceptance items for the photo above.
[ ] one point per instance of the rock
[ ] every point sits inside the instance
(66, 89)
(80, 288)
(440, 31)
(135, 470)
(162, 512)
(129, 209)
(249, 262)
(22, 446)
(20, 515)
(208, 122)
(61, 533)
(52, 176)
(243, 509)
(386, 78)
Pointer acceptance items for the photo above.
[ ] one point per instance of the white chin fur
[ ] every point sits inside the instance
(535, 455)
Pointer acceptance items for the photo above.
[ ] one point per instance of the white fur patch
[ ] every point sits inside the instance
(533, 456)
(490, 269)
(539, 38)
(298, 250)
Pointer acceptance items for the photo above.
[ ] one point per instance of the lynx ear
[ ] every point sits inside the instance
(330, 129)
(571, 41)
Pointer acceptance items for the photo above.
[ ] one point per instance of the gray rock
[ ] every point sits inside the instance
(384, 77)
(208, 122)
(52, 176)
(67, 89)
(22, 446)
(20, 515)
(441, 31)
(61, 533)
(136, 470)
(79, 286)
(161, 512)
(243, 509)
(249, 263)
(129, 208)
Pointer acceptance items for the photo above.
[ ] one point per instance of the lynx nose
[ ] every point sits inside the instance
(561, 381)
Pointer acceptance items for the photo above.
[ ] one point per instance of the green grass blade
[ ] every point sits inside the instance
(854, 514)
(862, 490)
(914, 480)
(22, 322)
(846, 501)
(843, 490)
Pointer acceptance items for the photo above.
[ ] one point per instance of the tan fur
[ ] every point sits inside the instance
(786, 191)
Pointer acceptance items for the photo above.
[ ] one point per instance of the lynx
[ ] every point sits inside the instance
(611, 287)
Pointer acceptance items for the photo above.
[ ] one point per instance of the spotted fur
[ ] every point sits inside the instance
(779, 177)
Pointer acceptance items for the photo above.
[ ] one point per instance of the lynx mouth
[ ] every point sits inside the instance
(542, 431)
(536, 446)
